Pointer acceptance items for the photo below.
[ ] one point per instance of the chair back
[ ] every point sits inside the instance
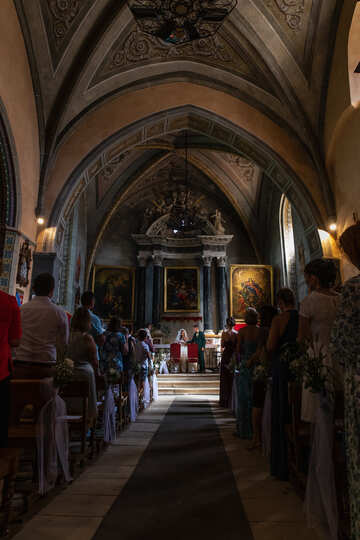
(27, 398)
(193, 352)
(175, 352)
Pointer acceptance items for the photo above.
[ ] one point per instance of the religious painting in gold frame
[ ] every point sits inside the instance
(114, 289)
(251, 285)
(182, 289)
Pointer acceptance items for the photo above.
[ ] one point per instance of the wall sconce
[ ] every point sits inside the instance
(40, 220)
(333, 227)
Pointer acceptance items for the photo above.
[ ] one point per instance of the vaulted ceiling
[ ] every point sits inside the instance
(271, 54)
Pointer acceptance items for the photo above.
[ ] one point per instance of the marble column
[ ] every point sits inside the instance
(141, 285)
(221, 291)
(157, 289)
(208, 300)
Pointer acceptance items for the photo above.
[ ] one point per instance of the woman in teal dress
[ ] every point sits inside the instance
(345, 344)
(247, 343)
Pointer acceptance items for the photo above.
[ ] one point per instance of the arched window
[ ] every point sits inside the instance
(287, 244)
(354, 57)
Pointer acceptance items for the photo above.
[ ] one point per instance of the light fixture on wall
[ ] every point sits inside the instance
(180, 21)
(333, 227)
(40, 220)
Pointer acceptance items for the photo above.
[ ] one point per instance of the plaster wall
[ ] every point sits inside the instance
(342, 134)
(17, 97)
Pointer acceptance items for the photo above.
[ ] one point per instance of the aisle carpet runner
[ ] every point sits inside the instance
(183, 486)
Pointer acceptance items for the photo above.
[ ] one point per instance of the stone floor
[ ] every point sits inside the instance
(273, 509)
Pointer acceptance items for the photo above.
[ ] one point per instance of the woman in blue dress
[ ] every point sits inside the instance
(115, 347)
(247, 343)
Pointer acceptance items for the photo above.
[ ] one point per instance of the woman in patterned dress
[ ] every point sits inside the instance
(345, 344)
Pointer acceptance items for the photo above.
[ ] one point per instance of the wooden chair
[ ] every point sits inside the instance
(175, 355)
(78, 424)
(27, 397)
(193, 356)
(9, 462)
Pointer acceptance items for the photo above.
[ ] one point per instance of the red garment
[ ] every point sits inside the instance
(10, 329)
(238, 326)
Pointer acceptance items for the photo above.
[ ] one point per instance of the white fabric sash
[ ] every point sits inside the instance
(109, 416)
(134, 400)
(155, 387)
(147, 396)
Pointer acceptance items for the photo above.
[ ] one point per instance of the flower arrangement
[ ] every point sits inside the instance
(307, 365)
(260, 372)
(112, 373)
(64, 371)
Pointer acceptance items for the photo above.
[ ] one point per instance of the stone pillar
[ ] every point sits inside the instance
(208, 300)
(221, 291)
(157, 289)
(140, 285)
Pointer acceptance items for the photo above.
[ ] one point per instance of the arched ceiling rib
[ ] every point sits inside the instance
(271, 53)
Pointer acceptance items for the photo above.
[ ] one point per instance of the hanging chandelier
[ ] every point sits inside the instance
(182, 219)
(180, 21)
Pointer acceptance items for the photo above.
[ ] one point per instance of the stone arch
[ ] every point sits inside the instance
(9, 204)
(133, 118)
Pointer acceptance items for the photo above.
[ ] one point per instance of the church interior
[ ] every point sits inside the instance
(181, 163)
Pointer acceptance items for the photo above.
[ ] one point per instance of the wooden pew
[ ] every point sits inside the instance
(78, 423)
(9, 461)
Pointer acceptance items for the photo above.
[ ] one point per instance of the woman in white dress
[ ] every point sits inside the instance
(183, 339)
(317, 315)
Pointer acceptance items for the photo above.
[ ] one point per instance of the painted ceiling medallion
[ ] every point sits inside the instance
(293, 11)
(180, 21)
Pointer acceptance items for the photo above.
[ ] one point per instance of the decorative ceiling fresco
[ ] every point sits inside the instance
(62, 18)
(272, 55)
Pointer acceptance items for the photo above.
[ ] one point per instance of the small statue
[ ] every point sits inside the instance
(218, 222)
(22, 277)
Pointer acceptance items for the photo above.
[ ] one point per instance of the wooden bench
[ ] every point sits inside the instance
(78, 423)
(9, 461)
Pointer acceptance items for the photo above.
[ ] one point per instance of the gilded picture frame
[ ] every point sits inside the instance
(114, 289)
(251, 285)
(182, 289)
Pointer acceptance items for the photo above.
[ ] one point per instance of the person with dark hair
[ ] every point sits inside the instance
(283, 331)
(228, 348)
(82, 351)
(247, 343)
(45, 325)
(345, 345)
(142, 352)
(317, 315)
(149, 339)
(199, 339)
(116, 345)
(97, 331)
(10, 334)
(266, 315)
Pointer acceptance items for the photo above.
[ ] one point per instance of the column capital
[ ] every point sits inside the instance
(142, 261)
(221, 262)
(207, 260)
(158, 260)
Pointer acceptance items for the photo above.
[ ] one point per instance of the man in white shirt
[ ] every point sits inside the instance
(44, 324)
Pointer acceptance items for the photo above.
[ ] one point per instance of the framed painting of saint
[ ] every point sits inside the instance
(182, 289)
(251, 285)
(114, 288)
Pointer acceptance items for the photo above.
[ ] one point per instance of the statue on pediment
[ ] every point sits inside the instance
(218, 222)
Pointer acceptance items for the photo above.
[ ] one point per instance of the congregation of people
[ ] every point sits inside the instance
(301, 427)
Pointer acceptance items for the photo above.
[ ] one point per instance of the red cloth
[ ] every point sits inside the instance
(193, 352)
(238, 326)
(10, 329)
(175, 352)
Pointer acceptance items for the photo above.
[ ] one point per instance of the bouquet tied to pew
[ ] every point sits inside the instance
(64, 369)
(307, 365)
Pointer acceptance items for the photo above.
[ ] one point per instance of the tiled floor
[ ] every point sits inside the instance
(272, 508)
